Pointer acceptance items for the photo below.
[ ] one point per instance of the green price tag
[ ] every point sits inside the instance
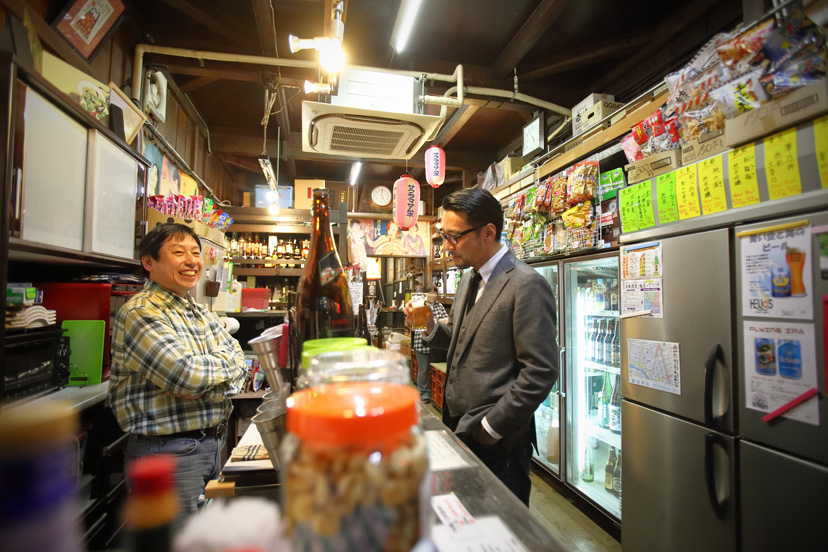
(644, 196)
(666, 197)
(628, 207)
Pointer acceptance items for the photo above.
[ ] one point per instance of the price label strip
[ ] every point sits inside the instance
(687, 191)
(781, 165)
(712, 186)
(741, 167)
(821, 141)
(666, 198)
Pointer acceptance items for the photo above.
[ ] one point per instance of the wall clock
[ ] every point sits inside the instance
(381, 195)
(534, 139)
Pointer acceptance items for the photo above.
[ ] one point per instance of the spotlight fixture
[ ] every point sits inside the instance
(317, 88)
(331, 55)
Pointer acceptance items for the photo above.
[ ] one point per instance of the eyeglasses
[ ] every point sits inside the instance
(454, 238)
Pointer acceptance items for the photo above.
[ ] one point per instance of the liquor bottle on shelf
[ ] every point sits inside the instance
(362, 325)
(248, 248)
(609, 469)
(589, 340)
(588, 473)
(280, 250)
(323, 307)
(297, 250)
(256, 247)
(615, 407)
(288, 249)
(589, 304)
(233, 249)
(613, 295)
(615, 346)
(597, 343)
(606, 394)
(607, 344)
(240, 252)
(616, 476)
(599, 289)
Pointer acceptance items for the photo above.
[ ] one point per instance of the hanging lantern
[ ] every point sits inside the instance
(406, 201)
(435, 163)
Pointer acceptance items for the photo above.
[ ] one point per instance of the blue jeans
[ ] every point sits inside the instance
(423, 364)
(199, 461)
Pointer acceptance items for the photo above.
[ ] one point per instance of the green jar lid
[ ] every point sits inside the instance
(313, 347)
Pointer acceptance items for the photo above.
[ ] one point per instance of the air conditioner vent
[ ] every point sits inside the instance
(364, 133)
(348, 139)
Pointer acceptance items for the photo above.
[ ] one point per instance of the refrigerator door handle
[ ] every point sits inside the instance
(710, 442)
(717, 354)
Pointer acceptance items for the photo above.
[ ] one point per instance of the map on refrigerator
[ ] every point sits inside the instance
(654, 364)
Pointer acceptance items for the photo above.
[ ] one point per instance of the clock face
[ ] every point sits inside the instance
(381, 196)
(532, 137)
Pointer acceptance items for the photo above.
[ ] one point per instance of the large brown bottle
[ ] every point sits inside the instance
(323, 307)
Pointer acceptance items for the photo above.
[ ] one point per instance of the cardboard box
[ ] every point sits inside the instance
(798, 106)
(660, 163)
(511, 167)
(611, 180)
(706, 145)
(589, 101)
(303, 192)
(592, 115)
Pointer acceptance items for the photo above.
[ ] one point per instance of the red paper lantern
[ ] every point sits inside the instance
(406, 201)
(435, 166)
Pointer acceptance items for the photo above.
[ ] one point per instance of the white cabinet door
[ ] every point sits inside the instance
(112, 198)
(54, 175)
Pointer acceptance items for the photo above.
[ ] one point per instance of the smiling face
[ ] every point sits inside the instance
(178, 266)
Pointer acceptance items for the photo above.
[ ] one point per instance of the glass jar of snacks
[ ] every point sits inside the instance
(354, 467)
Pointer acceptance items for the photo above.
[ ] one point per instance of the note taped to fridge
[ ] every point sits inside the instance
(654, 364)
(777, 278)
(780, 365)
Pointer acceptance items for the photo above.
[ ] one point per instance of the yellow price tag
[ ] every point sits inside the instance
(782, 165)
(821, 140)
(711, 185)
(687, 192)
(741, 169)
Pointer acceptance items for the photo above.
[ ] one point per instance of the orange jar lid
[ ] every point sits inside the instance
(355, 413)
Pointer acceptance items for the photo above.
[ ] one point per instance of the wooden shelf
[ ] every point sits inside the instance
(273, 271)
(241, 261)
(24, 250)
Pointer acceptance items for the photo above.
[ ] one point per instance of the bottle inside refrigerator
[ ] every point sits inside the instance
(593, 366)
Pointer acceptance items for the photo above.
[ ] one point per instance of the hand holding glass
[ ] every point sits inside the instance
(421, 311)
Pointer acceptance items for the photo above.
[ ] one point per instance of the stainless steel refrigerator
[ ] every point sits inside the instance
(702, 470)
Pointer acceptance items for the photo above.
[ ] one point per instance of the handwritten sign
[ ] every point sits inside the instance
(628, 206)
(687, 192)
(666, 198)
(781, 165)
(644, 195)
(712, 186)
(741, 169)
(821, 140)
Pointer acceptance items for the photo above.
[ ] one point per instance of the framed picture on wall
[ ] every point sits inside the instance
(86, 23)
(389, 270)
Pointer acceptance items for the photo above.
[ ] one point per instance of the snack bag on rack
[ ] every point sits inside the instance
(806, 67)
(206, 210)
(582, 182)
(740, 95)
(578, 216)
(739, 53)
(558, 194)
(631, 148)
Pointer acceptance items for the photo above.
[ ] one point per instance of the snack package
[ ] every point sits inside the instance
(578, 216)
(740, 95)
(582, 182)
(806, 67)
(739, 53)
(558, 194)
(206, 210)
(789, 36)
(693, 124)
(631, 148)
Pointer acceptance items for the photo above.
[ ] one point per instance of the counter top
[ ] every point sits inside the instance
(79, 398)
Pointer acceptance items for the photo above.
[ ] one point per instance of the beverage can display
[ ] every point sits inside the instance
(781, 280)
(765, 356)
(790, 359)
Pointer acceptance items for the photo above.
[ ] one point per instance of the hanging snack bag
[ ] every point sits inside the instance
(739, 53)
(740, 95)
(582, 182)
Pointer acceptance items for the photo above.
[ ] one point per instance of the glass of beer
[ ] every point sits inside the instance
(796, 260)
(420, 311)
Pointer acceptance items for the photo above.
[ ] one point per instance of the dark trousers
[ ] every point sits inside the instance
(510, 466)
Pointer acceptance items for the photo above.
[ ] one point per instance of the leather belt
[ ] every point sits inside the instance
(210, 433)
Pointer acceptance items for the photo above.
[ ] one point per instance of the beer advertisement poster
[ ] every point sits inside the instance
(777, 274)
(780, 365)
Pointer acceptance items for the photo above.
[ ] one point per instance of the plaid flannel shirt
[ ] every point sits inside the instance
(438, 312)
(173, 365)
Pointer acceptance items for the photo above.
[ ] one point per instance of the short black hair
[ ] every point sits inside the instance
(158, 236)
(480, 206)
(430, 288)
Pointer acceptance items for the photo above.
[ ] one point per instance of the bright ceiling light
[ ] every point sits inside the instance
(332, 57)
(355, 169)
(273, 209)
(267, 169)
(317, 88)
(405, 23)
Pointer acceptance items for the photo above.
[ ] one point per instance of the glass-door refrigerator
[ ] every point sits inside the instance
(592, 391)
(548, 414)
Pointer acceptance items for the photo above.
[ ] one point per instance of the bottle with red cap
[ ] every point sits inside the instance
(153, 504)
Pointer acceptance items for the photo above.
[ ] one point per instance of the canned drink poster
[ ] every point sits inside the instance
(780, 365)
(777, 273)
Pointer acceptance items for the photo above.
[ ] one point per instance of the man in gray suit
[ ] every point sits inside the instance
(501, 340)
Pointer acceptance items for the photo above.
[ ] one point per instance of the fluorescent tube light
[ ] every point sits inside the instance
(355, 169)
(405, 23)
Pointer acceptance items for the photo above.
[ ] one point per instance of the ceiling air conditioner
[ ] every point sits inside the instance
(374, 115)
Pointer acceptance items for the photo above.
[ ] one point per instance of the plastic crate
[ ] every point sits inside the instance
(255, 298)
(414, 367)
(438, 381)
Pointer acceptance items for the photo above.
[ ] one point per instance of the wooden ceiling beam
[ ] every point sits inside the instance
(196, 83)
(547, 12)
(582, 57)
(226, 26)
(243, 163)
(265, 27)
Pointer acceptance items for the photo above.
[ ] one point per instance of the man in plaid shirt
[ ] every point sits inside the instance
(174, 365)
(422, 350)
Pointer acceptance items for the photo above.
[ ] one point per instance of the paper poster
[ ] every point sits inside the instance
(777, 278)
(780, 365)
(641, 282)
(741, 168)
(441, 454)
(666, 197)
(641, 297)
(782, 165)
(687, 192)
(644, 196)
(821, 141)
(654, 364)
(822, 246)
(712, 186)
(628, 207)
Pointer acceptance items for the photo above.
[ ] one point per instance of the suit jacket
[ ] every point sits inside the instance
(503, 357)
